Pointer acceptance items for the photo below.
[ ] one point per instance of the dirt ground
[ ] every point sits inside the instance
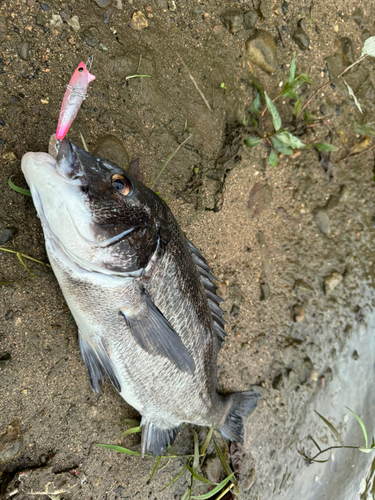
(292, 246)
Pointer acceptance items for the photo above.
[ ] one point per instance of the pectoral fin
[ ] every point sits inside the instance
(155, 335)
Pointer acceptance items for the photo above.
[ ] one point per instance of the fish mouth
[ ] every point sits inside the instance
(68, 164)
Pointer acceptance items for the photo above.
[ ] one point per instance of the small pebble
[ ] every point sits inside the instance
(322, 221)
(74, 23)
(331, 282)
(9, 156)
(232, 20)
(45, 7)
(56, 21)
(23, 50)
(7, 234)
(139, 21)
(2, 123)
(298, 314)
(262, 51)
(301, 39)
(102, 3)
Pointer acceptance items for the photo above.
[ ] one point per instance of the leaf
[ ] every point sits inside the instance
(254, 108)
(217, 489)
(350, 90)
(272, 159)
(361, 424)
(324, 147)
(321, 461)
(292, 72)
(333, 429)
(119, 448)
(26, 192)
(154, 469)
(199, 477)
(364, 129)
(244, 122)
(281, 147)
(6, 282)
(207, 441)
(290, 87)
(275, 115)
(132, 430)
(297, 107)
(252, 141)
(359, 147)
(290, 140)
(369, 47)
(308, 118)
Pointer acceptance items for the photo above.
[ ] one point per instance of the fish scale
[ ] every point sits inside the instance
(142, 295)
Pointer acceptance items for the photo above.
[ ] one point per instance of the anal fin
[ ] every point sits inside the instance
(156, 440)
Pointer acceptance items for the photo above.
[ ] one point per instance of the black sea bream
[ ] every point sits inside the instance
(141, 294)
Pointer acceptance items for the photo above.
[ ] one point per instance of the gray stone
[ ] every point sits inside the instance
(249, 19)
(110, 148)
(347, 51)
(232, 20)
(102, 3)
(261, 49)
(10, 443)
(45, 7)
(301, 38)
(7, 234)
(260, 198)
(331, 282)
(265, 291)
(23, 50)
(322, 221)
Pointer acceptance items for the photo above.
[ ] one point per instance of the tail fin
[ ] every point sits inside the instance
(240, 405)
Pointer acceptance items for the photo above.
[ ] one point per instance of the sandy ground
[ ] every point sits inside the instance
(276, 238)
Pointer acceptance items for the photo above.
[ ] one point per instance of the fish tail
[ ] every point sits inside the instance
(238, 405)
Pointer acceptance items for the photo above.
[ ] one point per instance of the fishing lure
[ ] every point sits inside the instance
(74, 95)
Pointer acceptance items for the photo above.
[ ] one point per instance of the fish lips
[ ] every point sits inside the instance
(68, 163)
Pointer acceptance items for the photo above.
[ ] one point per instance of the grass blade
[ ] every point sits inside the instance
(274, 113)
(350, 90)
(199, 477)
(196, 452)
(333, 429)
(225, 492)
(207, 441)
(224, 463)
(292, 72)
(19, 256)
(119, 448)
(313, 440)
(217, 489)
(324, 147)
(186, 495)
(169, 159)
(83, 142)
(154, 469)
(361, 424)
(132, 430)
(175, 478)
(26, 192)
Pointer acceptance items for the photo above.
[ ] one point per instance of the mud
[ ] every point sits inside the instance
(303, 344)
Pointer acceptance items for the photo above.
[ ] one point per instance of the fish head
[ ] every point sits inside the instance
(93, 210)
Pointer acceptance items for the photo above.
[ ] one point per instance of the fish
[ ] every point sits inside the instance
(142, 295)
(74, 95)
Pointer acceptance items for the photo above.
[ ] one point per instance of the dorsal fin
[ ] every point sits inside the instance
(214, 300)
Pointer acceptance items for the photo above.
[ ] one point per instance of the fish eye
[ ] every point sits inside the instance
(80, 70)
(121, 184)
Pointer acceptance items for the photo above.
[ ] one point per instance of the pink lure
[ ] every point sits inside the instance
(74, 96)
